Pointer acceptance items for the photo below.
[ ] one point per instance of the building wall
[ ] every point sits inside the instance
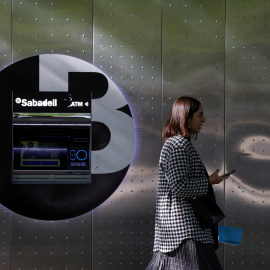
(155, 51)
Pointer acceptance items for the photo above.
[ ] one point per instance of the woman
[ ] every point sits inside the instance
(180, 243)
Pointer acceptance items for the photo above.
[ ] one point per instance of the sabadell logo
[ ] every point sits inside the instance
(112, 136)
(36, 103)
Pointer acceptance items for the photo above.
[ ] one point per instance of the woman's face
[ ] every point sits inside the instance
(196, 121)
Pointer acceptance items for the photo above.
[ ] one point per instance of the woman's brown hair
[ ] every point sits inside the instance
(177, 124)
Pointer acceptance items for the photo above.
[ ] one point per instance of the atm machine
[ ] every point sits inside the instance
(51, 135)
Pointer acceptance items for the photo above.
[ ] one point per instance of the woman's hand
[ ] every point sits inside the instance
(216, 179)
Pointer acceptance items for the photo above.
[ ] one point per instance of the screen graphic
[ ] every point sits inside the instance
(39, 154)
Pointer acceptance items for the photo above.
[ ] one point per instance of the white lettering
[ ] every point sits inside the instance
(37, 103)
(24, 102)
(76, 104)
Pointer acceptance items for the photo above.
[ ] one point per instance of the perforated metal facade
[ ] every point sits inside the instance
(155, 51)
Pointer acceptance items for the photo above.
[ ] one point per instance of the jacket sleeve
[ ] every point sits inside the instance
(179, 169)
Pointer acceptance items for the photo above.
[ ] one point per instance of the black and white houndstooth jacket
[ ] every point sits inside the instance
(186, 178)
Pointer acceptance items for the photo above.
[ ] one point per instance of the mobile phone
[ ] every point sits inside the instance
(228, 173)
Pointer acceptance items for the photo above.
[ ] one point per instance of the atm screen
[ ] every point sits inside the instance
(48, 152)
(39, 154)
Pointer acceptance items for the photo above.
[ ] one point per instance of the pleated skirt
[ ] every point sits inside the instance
(190, 255)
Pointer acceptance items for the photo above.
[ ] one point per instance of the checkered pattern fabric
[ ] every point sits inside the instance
(186, 178)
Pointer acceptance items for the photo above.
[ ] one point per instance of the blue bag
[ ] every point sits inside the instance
(229, 235)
